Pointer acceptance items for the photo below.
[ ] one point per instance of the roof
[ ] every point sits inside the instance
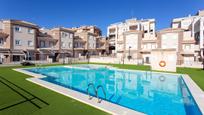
(132, 20)
(171, 30)
(63, 29)
(22, 23)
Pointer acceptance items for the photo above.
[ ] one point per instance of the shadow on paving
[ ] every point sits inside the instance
(14, 99)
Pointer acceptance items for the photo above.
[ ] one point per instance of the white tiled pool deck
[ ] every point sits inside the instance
(106, 106)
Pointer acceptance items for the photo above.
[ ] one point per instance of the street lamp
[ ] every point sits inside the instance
(129, 57)
(203, 57)
(88, 57)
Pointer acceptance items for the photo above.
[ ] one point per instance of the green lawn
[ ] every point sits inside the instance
(59, 104)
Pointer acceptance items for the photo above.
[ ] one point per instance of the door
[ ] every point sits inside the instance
(147, 60)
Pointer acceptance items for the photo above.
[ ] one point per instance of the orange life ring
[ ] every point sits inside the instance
(162, 63)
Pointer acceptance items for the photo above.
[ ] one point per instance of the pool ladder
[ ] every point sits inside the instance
(95, 91)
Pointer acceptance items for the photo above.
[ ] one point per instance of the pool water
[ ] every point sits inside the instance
(146, 92)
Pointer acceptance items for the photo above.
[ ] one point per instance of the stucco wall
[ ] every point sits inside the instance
(24, 37)
(169, 40)
(67, 40)
(168, 56)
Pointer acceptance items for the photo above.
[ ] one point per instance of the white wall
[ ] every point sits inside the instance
(67, 40)
(91, 42)
(169, 57)
(169, 40)
(131, 41)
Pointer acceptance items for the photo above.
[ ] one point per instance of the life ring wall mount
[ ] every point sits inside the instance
(162, 63)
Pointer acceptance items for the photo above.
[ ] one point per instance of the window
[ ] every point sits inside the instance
(63, 44)
(76, 45)
(51, 44)
(145, 31)
(18, 42)
(70, 35)
(42, 44)
(30, 43)
(70, 45)
(30, 31)
(64, 35)
(17, 29)
(1, 41)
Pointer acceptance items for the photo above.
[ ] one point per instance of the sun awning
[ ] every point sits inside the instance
(3, 35)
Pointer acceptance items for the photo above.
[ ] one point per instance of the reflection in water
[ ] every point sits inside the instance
(151, 93)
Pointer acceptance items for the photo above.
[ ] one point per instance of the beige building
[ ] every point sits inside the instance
(88, 41)
(18, 40)
(192, 37)
(137, 38)
(92, 29)
(175, 38)
(21, 40)
(132, 38)
(198, 26)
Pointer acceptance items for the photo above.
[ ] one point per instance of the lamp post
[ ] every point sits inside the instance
(63, 57)
(203, 57)
(88, 57)
(129, 57)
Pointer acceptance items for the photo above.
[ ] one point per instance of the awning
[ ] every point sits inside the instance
(3, 35)
(187, 53)
(17, 52)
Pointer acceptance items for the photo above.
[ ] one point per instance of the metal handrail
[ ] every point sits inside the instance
(100, 86)
(87, 90)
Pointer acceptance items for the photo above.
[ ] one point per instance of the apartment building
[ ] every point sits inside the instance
(102, 46)
(191, 38)
(132, 38)
(173, 38)
(17, 40)
(199, 32)
(47, 45)
(86, 44)
(88, 41)
(55, 43)
(92, 29)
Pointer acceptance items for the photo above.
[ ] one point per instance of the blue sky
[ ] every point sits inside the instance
(72, 13)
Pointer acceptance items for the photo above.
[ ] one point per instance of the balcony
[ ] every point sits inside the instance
(79, 48)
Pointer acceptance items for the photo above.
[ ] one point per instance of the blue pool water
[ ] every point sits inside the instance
(150, 93)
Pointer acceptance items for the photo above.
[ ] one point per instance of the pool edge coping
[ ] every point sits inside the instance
(104, 105)
(195, 90)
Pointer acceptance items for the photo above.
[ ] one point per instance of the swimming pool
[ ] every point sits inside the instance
(147, 92)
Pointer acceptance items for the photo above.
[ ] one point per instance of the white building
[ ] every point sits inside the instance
(125, 38)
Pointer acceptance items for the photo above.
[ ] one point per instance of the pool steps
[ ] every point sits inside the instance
(95, 91)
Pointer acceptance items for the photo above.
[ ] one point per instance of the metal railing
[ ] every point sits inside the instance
(96, 92)
(100, 86)
(87, 90)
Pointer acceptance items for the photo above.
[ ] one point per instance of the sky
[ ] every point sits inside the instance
(74, 13)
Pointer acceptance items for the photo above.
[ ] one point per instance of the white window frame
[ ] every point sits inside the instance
(70, 35)
(42, 42)
(1, 41)
(19, 42)
(63, 44)
(51, 44)
(30, 31)
(17, 30)
(30, 43)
